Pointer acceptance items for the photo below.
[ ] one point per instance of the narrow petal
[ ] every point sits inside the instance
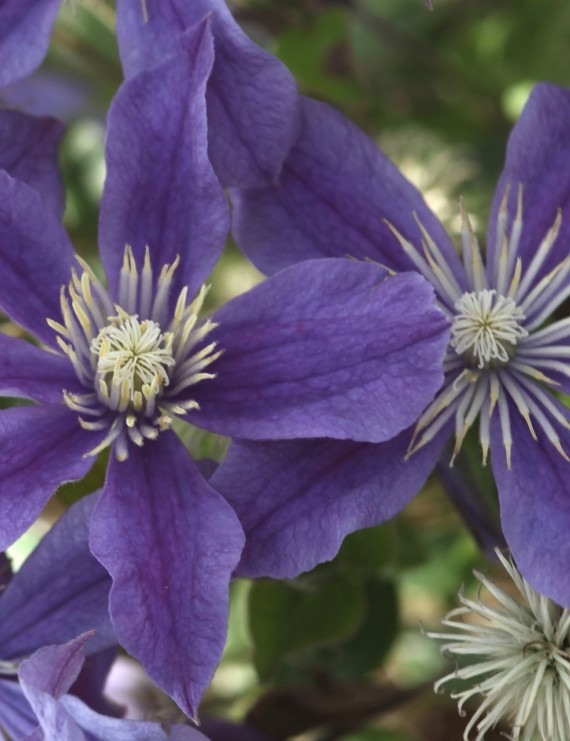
(53, 669)
(161, 190)
(539, 142)
(60, 591)
(331, 200)
(170, 543)
(41, 447)
(253, 104)
(24, 37)
(29, 152)
(325, 349)
(28, 372)
(101, 728)
(535, 507)
(35, 258)
(297, 500)
(44, 678)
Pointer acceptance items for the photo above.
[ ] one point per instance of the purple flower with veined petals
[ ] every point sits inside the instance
(509, 350)
(333, 348)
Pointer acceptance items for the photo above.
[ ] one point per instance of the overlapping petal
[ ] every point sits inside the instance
(328, 348)
(60, 592)
(29, 152)
(253, 105)
(44, 678)
(331, 200)
(298, 499)
(170, 543)
(535, 507)
(41, 447)
(49, 673)
(35, 258)
(160, 189)
(25, 29)
(101, 728)
(28, 372)
(538, 144)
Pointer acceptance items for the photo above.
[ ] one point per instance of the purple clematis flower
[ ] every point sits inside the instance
(253, 104)
(330, 348)
(509, 349)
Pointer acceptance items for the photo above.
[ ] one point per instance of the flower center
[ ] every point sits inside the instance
(132, 361)
(486, 328)
(136, 376)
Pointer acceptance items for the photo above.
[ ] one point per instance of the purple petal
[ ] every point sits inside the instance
(60, 591)
(537, 146)
(44, 678)
(16, 715)
(50, 93)
(170, 543)
(29, 152)
(253, 105)
(28, 372)
(24, 37)
(161, 190)
(330, 201)
(102, 728)
(53, 669)
(297, 500)
(40, 448)
(535, 507)
(35, 258)
(325, 349)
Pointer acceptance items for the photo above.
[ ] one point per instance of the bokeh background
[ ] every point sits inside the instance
(339, 653)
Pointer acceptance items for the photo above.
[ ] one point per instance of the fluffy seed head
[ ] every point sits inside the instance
(521, 661)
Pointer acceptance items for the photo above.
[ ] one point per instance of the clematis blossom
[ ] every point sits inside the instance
(334, 348)
(507, 360)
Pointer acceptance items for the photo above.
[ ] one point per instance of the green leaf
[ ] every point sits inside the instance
(318, 59)
(367, 649)
(369, 549)
(376, 734)
(287, 618)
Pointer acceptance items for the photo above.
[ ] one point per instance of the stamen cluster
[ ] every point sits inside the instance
(136, 358)
(486, 328)
(500, 353)
(523, 667)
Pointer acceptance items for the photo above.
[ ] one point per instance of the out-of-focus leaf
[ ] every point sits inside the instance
(370, 549)
(318, 57)
(376, 734)
(289, 617)
(367, 649)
